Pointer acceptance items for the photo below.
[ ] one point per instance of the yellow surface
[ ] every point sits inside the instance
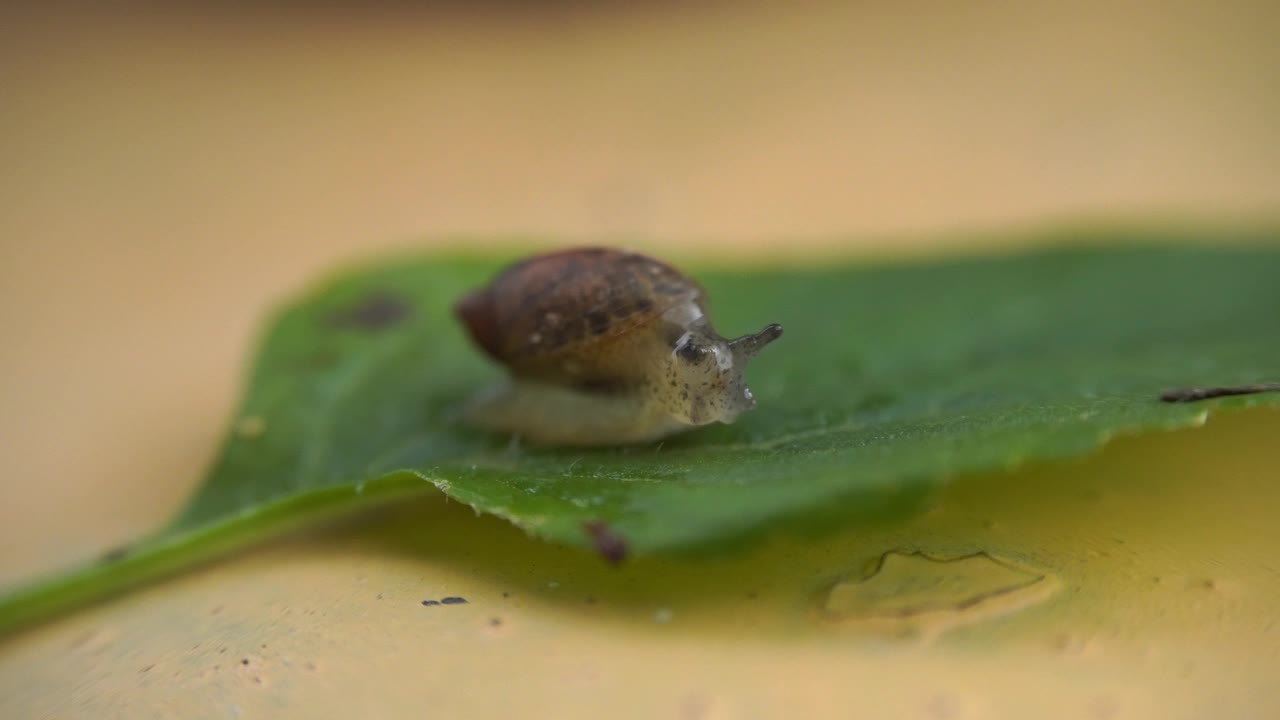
(1161, 604)
(166, 176)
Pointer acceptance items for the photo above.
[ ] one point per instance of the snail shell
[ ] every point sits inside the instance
(604, 347)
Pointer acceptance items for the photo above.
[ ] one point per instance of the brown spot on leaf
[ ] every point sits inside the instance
(1182, 395)
(611, 546)
(377, 311)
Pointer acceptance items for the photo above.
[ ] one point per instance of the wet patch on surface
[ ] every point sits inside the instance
(913, 594)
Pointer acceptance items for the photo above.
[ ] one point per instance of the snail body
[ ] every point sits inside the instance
(604, 347)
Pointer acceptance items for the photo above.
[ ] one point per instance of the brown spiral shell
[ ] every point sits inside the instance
(561, 304)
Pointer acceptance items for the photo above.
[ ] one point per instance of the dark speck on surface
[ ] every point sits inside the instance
(377, 311)
(453, 601)
(429, 603)
(115, 554)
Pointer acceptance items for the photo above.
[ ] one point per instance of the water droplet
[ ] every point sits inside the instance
(663, 615)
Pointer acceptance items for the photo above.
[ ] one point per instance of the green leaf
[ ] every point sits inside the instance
(890, 379)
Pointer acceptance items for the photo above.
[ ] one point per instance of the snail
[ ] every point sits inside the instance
(604, 347)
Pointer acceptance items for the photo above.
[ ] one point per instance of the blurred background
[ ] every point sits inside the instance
(168, 173)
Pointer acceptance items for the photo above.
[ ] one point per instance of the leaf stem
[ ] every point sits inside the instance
(170, 553)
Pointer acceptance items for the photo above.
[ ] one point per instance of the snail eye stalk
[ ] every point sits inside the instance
(748, 346)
